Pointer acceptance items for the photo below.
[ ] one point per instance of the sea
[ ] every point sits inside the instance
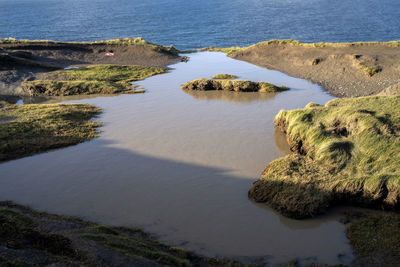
(190, 24)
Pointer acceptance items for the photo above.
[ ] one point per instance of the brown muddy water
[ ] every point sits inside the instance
(179, 165)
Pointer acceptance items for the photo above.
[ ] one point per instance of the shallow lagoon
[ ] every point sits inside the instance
(179, 166)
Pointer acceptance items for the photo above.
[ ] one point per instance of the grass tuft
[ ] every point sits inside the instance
(346, 151)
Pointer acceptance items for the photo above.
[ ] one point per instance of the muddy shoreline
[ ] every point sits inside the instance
(26, 60)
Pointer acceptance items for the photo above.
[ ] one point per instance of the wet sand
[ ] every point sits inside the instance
(179, 166)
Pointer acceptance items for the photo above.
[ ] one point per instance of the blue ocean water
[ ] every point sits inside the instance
(194, 24)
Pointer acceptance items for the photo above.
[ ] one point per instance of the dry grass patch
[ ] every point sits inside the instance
(29, 129)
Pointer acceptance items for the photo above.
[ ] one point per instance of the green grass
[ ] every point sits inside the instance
(29, 129)
(118, 41)
(225, 77)
(95, 79)
(229, 85)
(327, 44)
(234, 49)
(346, 151)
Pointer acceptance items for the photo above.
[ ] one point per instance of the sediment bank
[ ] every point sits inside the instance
(343, 69)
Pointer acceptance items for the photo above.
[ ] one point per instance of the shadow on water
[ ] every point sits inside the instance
(132, 189)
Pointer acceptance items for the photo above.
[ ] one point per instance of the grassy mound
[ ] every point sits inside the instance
(225, 76)
(228, 85)
(346, 151)
(31, 238)
(96, 79)
(29, 129)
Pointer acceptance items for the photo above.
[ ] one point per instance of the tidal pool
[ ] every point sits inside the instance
(179, 165)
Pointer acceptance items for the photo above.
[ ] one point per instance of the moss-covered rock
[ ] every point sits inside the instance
(344, 152)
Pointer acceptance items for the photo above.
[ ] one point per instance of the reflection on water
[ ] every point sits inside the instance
(57, 99)
(281, 143)
(12, 99)
(180, 168)
(230, 96)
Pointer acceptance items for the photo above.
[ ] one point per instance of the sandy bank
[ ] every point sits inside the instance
(343, 69)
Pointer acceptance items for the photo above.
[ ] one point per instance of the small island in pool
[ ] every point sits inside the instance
(235, 85)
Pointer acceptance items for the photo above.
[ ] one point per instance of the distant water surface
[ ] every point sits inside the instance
(195, 24)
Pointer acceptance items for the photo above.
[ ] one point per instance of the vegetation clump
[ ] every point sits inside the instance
(225, 77)
(33, 238)
(95, 79)
(29, 129)
(345, 152)
(229, 85)
(368, 68)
